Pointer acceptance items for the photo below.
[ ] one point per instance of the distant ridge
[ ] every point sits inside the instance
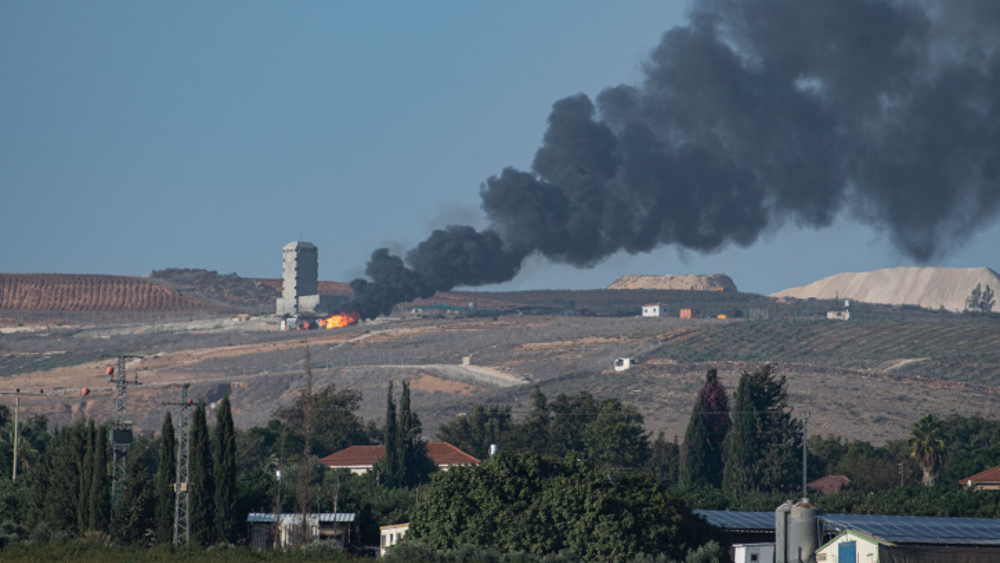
(711, 282)
(931, 288)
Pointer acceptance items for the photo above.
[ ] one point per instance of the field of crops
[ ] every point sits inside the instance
(961, 349)
(75, 292)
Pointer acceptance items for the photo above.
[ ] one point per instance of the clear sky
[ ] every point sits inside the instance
(137, 136)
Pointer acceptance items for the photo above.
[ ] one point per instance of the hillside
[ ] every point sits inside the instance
(713, 282)
(90, 293)
(869, 379)
(931, 288)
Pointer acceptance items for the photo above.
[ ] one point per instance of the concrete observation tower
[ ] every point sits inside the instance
(300, 285)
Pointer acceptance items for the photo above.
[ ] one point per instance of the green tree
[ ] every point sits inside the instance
(390, 467)
(416, 465)
(570, 416)
(100, 488)
(227, 519)
(928, 448)
(980, 300)
(763, 446)
(473, 433)
(533, 434)
(164, 481)
(521, 502)
(132, 520)
(201, 491)
(702, 452)
(616, 436)
(664, 460)
(335, 423)
(86, 479)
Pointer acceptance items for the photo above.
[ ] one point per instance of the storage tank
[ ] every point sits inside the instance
(803, 531)
(781, 532)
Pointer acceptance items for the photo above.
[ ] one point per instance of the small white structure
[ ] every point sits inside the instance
(753, 553)
(623, 364)
(654, 310)
(850, 546)
(391, 535)
(838, 315)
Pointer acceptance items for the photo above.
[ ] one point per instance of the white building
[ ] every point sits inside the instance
(654, 310)
(623, 364)
(391, 535)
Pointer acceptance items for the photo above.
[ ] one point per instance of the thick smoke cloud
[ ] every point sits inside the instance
(756, 113)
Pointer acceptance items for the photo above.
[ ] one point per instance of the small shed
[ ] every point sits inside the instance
(623, 364)
(689, 313)
(654, 310)
(753, 553)
(838, 315)
(391, 535)
(283, 530)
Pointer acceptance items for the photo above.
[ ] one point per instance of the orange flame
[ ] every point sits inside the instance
(337, 321)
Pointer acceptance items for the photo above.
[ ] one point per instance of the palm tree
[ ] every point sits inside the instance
(928, 448)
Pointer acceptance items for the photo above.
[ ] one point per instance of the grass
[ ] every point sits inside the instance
(99, 550)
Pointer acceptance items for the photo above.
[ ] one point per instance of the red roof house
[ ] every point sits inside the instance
(360, 459)
(988, 480)
(829, 484)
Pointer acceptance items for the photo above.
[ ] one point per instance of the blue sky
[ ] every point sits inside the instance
(137, 136)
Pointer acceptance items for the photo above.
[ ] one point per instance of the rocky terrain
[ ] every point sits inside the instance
(713, 282)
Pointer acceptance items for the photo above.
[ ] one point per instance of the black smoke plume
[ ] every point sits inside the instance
(755, 113)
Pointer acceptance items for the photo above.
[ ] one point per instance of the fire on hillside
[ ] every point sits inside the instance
(334, 321)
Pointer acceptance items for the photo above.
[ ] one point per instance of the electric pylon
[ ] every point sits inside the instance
(121, 432)
(182, 502)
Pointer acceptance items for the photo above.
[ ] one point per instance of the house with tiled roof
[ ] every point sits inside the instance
(360, 459)
(829, 484)
(988, 480)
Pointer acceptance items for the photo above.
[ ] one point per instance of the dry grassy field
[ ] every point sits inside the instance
(873, 385)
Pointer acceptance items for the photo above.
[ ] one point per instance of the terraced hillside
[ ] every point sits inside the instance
(78, 292)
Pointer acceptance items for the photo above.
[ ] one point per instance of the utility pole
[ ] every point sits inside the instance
(17, 423)
(182, 502)
(121, 432)
(805, 485)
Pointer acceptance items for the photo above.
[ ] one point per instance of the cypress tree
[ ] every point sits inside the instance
(415, 465)
(100, 488)
(133, 517)
(702, 453)
(201, 492)
(226, 517)
(166, 476)
(762, 447)
(391, 462)
(86, 478)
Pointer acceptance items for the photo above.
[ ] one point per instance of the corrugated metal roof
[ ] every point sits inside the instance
(267, 517)
(895, 529)
(919, 529)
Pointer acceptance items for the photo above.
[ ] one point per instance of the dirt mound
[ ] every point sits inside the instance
(79, 292)
(931, 288)
(712, 282)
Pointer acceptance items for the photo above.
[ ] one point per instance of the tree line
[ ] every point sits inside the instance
(573, 464)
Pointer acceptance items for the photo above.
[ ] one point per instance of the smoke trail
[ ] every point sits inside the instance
(755, 113)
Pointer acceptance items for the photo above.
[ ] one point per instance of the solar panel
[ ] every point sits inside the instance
(897, 529)
(919, 529)
(738, 520)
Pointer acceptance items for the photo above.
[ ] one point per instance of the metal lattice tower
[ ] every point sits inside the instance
(182, 502)
(121, 432)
